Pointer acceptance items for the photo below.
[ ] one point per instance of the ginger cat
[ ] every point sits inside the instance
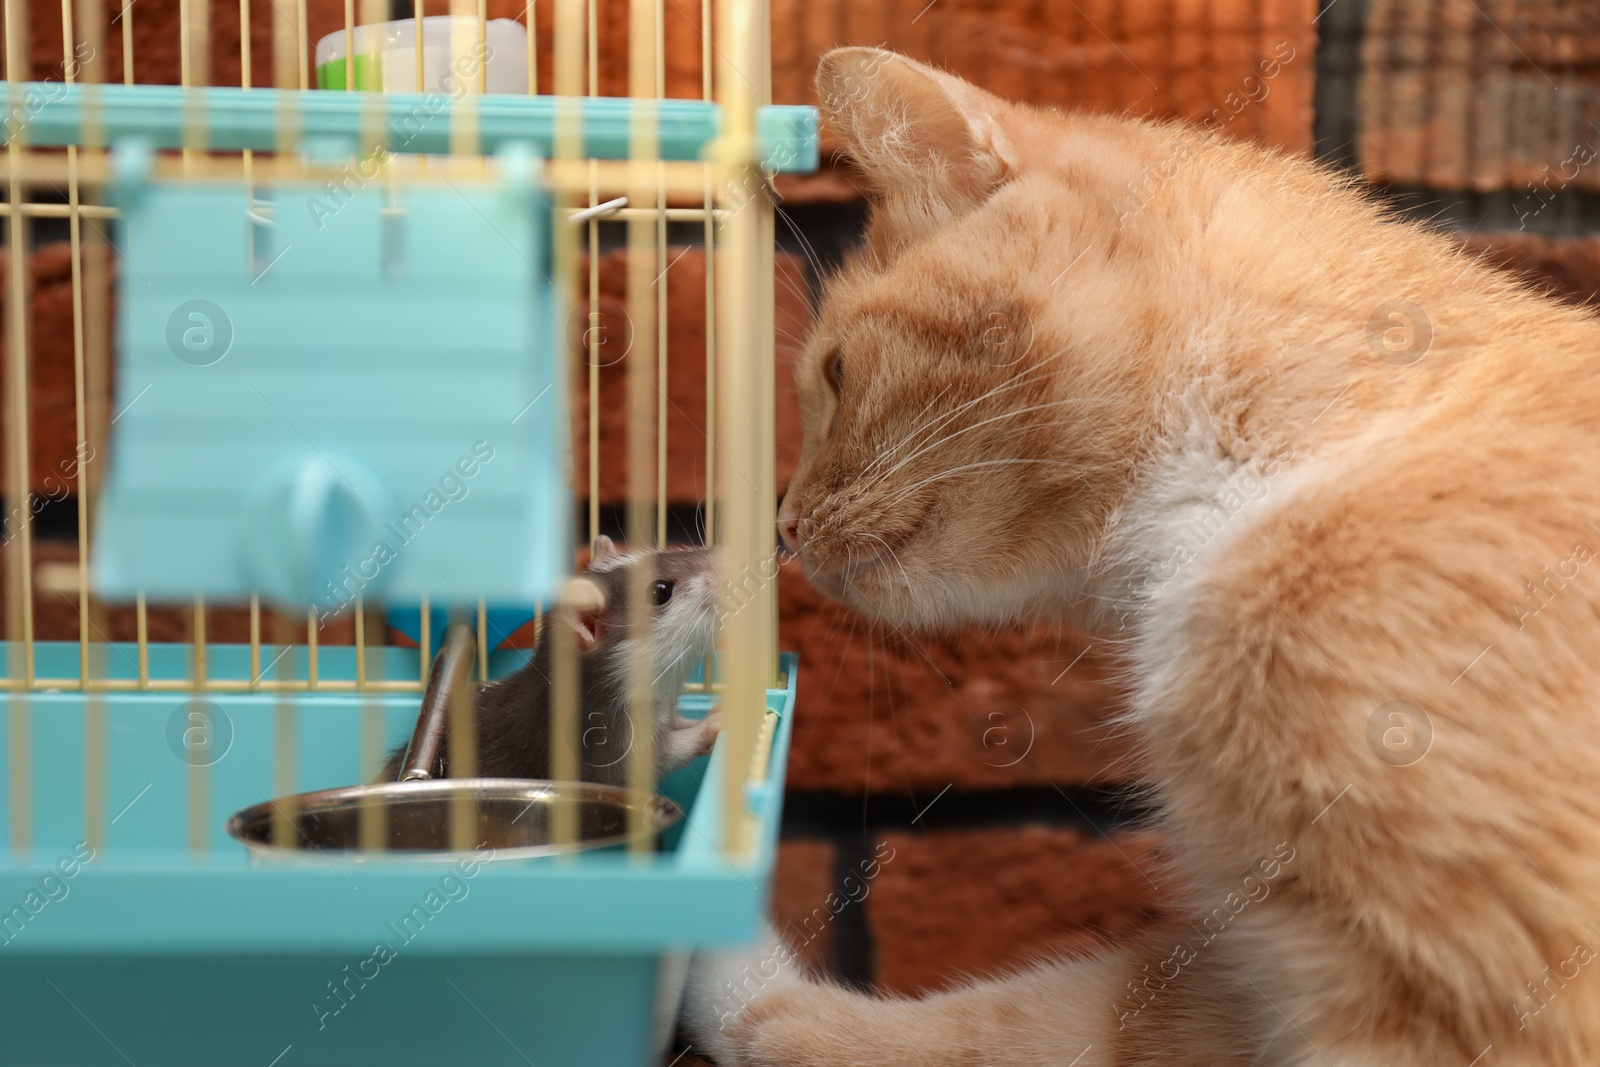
(1328, 483)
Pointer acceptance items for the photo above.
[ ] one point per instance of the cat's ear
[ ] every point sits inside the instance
(916, 132)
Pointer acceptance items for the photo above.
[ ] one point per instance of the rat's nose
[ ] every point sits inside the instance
(789, 527)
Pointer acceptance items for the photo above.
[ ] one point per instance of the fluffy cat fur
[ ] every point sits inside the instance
(1302, 461)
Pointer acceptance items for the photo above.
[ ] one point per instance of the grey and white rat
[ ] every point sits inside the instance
(513, 714)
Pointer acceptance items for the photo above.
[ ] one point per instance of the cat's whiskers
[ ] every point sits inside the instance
(883, 457)
(893, 555)
(1004, 387)
(875, 472)
(932, 426)
(1008, 433)
(789, 284)
(1012, 413)
(806, 247)
(902, 494)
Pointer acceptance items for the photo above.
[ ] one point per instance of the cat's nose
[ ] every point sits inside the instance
(789, 528)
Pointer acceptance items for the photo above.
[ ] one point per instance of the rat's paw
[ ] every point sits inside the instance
(710, 728)
(724, 992)
(689, 739)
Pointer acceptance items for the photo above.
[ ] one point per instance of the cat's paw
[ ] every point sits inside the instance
(721, 990)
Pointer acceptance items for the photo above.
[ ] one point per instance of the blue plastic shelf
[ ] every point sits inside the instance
(234, 119)
(324, 396)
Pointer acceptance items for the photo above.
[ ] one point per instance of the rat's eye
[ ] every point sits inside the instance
(660, 592)
(834, 369)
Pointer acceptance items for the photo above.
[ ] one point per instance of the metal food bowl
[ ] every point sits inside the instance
(438, 818)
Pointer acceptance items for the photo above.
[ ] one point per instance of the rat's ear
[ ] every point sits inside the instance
(917, 132)
(604, 549)
(583, 607)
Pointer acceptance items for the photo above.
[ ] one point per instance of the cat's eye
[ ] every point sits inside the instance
(660, 591)
(834, 369)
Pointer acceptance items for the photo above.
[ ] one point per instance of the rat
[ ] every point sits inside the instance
(513, 713)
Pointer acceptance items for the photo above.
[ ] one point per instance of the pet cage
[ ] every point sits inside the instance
(311, 315)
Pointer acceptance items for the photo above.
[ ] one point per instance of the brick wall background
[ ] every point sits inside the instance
(983, 764)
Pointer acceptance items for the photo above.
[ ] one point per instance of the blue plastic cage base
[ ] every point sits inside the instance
(152, 954)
